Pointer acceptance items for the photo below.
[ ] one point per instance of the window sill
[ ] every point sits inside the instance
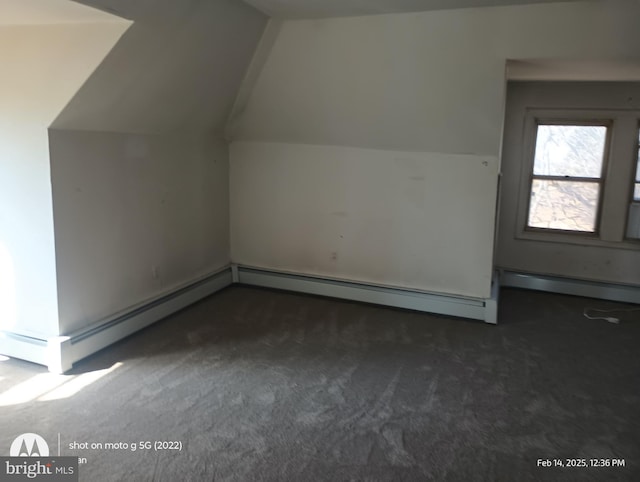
(580, 239)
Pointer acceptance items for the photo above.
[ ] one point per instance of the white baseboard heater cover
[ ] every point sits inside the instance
(61, 352)
(568, 286)
(485, 309)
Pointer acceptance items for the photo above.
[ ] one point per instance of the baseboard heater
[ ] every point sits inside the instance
(570, 286)
(484, 309)
(61, 352)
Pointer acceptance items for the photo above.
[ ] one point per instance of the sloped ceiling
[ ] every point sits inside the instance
(49, 12)
(344, 8)
(179, 66)
(428, 82)
(143, 9)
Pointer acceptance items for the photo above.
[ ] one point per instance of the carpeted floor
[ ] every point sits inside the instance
(265, 385)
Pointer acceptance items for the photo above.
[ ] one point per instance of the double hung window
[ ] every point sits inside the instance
(579, 185)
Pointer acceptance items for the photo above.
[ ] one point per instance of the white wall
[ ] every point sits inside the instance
(430, 82)
(42, 67)
(136, 216)
(139, 170)
(366, 215)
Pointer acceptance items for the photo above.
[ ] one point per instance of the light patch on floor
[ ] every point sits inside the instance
(50, 386)
(77, 383)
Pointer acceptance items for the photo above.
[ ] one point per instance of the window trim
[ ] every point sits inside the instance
(635, 175)
(635, 181)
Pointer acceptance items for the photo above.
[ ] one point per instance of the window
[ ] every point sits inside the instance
(636, 191)
(633, 223)
(566, 180)
(580, 177)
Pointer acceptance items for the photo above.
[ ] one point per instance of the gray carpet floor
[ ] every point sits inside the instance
(262, 385)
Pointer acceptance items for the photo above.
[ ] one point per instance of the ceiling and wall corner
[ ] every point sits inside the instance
(33, 90)
(184, 62)
(50, 12)
(139, 165)
(158, 100)
(260, 57)
(402, 81)
(346, 8)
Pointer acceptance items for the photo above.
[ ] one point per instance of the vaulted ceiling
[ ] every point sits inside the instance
(47, 12)
(340, 8)
(179, 66)
(23, 12)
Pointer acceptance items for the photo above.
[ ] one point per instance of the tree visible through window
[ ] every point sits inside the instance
(566, 181)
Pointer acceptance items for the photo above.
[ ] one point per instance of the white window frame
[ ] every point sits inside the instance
(616, 192)
(633, 202)
(636, 180)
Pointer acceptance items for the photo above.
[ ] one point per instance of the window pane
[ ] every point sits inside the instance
(633, 223)
(569, 150)
(636, 192)
(567, 205)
